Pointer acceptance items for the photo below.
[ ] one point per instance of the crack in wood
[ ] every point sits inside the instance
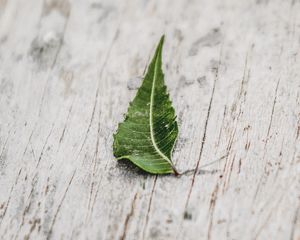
(128, 217)
(59, 206)
(149, 208)
(204, 133)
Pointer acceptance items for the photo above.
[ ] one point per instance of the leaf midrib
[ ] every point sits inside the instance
(151, 110)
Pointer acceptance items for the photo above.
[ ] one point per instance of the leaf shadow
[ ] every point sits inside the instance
(127, 167)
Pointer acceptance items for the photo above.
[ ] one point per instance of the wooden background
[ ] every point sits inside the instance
(68, 70)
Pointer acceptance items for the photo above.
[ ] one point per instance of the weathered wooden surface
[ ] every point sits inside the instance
(67, 73)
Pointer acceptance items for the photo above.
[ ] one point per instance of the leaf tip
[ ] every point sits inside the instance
(160, 46)
(162, 39)
(161, 42)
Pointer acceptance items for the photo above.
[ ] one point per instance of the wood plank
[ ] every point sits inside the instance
(68, 72)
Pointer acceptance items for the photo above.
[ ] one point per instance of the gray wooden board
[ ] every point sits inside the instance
(68, 71)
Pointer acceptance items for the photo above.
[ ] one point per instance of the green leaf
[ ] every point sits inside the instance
(149, 132)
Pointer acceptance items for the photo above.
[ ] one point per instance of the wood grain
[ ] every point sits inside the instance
(68, 72)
